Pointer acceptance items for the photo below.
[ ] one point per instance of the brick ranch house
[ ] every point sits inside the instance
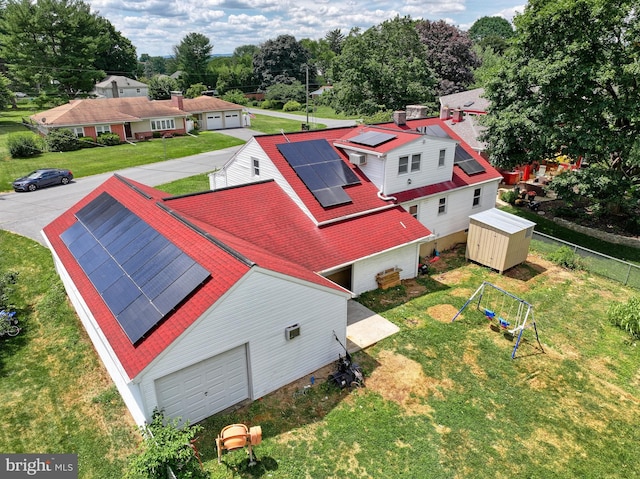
(138, 118)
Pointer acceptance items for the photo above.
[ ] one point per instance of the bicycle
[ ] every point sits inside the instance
(9, 323)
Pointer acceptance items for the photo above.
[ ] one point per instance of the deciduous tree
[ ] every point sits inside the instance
(383, 68)
(282, 60)
(450, 55)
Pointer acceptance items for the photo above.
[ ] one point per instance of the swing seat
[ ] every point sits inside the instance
(503, 323)
(489, 314)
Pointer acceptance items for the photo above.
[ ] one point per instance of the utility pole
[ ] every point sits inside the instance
(307, 95)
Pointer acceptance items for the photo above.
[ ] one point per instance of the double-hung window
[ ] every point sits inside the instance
(100, 129)
(78, 131)
(415, 162)
(442, 206)
(255, 167)
(403, 165)
(441, 158)
(163, 124)
(413, 211)
(476, 197)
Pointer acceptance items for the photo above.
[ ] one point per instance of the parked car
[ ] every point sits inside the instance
(42, 178)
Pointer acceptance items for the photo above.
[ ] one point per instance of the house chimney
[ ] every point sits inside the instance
(177, 100)
(415, 112)
(114, 89)
(400, 118)
(458, 115)
(444, 112)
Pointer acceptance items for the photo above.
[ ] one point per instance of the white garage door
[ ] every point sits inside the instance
(214, 121)
(232, 119)
(198, 391)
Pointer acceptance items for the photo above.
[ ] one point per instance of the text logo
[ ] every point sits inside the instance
(43, 466)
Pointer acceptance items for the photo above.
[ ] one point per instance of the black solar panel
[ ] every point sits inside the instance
(433, 130)
(321, 169)
(140, 274)
(373, 138)
(465, 161)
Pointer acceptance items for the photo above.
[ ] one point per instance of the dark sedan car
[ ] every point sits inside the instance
(42, 178)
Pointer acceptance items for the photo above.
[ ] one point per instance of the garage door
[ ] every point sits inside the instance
(232, 120)
(198, 391)
(214, 121)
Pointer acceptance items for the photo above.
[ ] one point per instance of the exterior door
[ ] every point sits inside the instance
(205, 388)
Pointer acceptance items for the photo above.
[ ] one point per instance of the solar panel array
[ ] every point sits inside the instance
(433, 130)
(372, 138)
(321, 169)
(465, 161)
(140, 274)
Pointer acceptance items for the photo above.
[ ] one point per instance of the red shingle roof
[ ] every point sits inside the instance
(219, 259)
(264, 216)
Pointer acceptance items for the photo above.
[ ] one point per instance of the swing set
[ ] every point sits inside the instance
(504, 311)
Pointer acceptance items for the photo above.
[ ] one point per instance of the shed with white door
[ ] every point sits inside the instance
(498, 239)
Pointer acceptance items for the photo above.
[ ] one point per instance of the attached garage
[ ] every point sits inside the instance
(200, 390)
(498, 239)
(214, 121)
(232, 119)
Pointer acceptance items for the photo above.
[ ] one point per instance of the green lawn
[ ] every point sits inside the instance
(442, 399)
(270, 124)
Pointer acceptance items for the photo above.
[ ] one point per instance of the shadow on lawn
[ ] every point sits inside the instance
(279, 413)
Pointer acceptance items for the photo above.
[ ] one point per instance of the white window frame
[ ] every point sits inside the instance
(255, 166)
(161, 124)
(413, 211)
(441, 158)
(477, 194)
(415, 162)
(403, 165)
(101, 129)
(442, 205)
(78, 131)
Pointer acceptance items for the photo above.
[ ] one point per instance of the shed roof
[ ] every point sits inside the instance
(502, 220)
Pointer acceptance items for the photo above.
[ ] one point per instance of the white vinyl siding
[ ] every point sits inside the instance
(419, 160)
(364, 272)
(255, 313)
(163, 124)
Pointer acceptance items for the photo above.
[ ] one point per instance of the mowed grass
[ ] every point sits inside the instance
(55, 395)
(442, 399)
(445, 400)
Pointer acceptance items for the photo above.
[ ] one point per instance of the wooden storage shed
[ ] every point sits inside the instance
(498, 240)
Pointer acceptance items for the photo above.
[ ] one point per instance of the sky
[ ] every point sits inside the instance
(155, 26)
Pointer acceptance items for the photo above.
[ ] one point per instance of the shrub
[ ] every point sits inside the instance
(62, 139)
(626, 316)
(87, 142)
(292, 105)
(108, 139)
(166, 445)
(24, 145)
(567, 258)
(509, 196)
(271, 105)
(7, 281)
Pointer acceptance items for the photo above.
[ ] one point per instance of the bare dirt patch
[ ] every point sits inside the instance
(442, 312)
(401, 380)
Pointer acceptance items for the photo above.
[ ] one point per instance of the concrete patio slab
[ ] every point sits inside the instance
(365, 328)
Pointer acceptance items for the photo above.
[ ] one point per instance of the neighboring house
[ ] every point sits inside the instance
(420, 164)
(116, 86)
(139, 118)
(461, 111)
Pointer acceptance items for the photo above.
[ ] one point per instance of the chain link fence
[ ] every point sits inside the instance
(608, 266)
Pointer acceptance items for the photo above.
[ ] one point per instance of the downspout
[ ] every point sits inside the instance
(386, 198)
